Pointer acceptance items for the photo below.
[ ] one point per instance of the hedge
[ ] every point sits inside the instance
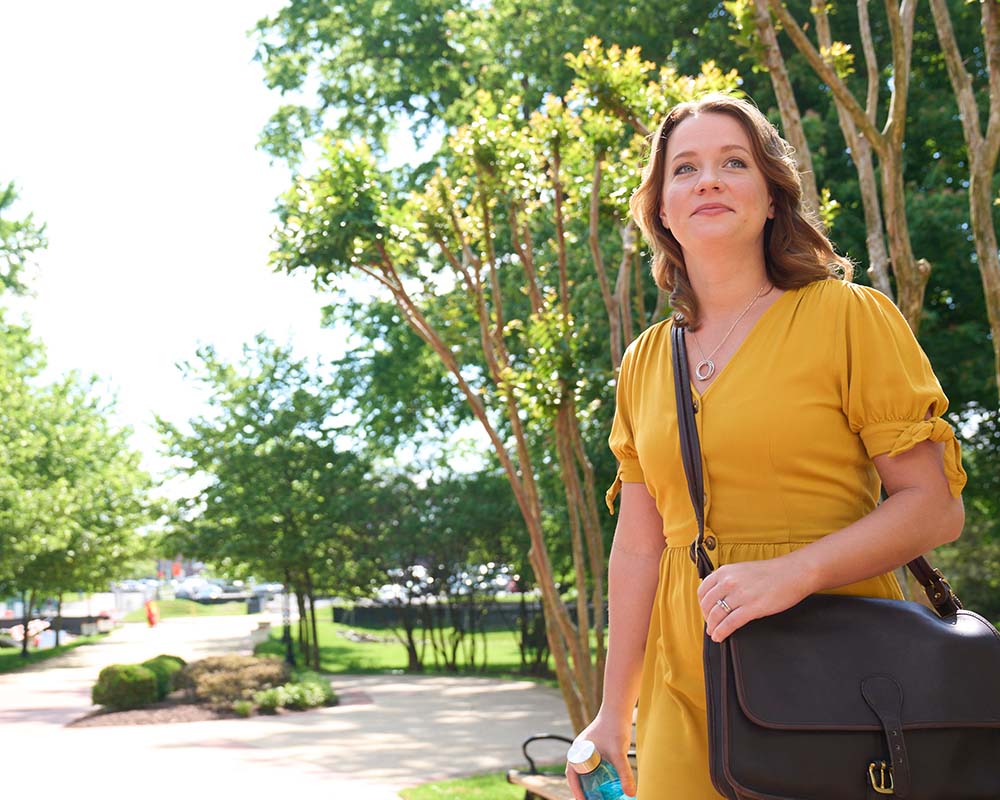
(124, 686)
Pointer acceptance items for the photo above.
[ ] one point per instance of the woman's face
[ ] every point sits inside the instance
(713, 191)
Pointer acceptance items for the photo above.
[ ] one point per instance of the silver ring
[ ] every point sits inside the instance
(724, 605)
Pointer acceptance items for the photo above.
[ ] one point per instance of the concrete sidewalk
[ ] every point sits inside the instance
(390, 732)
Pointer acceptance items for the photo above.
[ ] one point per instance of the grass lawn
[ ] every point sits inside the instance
(11, 660)
(338, 653)
(480, 787)
(189, 608)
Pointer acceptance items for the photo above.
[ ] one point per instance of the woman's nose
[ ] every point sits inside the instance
(708, 179)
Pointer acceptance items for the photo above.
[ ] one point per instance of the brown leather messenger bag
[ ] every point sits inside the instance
(847, 698)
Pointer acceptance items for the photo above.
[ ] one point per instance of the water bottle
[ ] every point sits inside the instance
(598, 779)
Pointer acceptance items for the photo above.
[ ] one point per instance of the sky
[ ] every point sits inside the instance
(130, 130)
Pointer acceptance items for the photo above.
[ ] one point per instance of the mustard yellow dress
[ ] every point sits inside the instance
(827, 378)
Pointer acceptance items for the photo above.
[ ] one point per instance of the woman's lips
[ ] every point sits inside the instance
(711, 210)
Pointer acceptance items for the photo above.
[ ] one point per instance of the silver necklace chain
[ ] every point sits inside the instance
(705, 368)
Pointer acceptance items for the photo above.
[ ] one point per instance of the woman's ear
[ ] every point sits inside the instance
(664, 219)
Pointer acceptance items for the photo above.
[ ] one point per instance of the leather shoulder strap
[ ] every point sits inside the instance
(690, 446)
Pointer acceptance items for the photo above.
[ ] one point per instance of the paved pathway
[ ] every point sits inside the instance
(390, 732)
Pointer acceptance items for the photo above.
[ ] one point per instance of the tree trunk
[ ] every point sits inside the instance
(59, 598)
(878, 256)
(300, 600)
(560, 631)
(861, 149)
(911, 274)
(791, 119)
(414, 662)
(310, 589)
(983, 151)
(523, 626)
(27, 600)
(981, 206)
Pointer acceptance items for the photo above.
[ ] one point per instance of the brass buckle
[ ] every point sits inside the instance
(878, 780)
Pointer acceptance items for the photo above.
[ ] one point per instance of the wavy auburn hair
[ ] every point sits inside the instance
(796, 250)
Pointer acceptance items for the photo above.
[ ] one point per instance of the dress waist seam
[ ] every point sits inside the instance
(762, 543)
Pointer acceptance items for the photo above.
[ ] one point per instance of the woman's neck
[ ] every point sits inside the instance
(725, 285)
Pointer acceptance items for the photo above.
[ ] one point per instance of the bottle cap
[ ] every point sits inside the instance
(583, 756)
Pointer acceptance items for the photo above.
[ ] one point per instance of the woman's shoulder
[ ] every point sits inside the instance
(650, 340)
(846, 314)
(834, 297)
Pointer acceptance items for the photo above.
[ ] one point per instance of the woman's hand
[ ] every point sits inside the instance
(612, 738)
(751, 589)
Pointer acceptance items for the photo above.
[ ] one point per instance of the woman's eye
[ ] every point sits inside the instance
(737, 162)
(683, 168)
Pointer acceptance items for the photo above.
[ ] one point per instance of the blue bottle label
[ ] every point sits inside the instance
(603, 784)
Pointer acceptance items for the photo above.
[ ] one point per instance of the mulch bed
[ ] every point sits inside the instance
(178, 708)
(173, 709)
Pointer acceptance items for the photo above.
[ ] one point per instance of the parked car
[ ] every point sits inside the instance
(196, 588)
(207, 591)
(267, 589)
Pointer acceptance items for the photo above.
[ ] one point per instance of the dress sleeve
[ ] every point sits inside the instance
(890, 388)
(622, 439)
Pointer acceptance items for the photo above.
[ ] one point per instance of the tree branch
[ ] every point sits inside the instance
(961, 81)
(623, 289)
(594, 240)
(825, 72)
(560, 230)
(991, 37)
(475, 291)
(900, 20)
(871, 61)
(527, 260)
(624, 114)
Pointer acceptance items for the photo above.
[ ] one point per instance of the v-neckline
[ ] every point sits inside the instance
(701, 395)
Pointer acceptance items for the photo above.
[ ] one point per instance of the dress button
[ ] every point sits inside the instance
(710, 542)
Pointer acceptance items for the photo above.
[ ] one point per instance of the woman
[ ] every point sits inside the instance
(811, 391)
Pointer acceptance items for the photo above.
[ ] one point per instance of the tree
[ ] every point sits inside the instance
(422, 63)
(282, 499)
(74, 496)
(503, 212)
(442, 552)
(983, 148)
(19, 240)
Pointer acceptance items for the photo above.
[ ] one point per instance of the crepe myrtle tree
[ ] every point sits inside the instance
(500, 263)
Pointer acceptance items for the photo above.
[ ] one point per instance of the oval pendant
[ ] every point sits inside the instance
(704, 369)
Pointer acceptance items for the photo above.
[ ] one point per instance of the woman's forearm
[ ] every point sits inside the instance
(919, 515)
(632, 583)
(906, 525)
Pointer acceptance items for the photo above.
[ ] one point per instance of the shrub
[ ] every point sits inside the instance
(124, 686)
(304, 695)
(270, 700)
(165, 668)
(222, 680)
(318, 684)
(243, 708)
(309, 691)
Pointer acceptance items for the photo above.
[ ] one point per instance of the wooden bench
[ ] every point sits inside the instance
(544, 786)
(540, 787)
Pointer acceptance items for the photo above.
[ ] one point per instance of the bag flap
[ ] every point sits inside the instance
(803, 669)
